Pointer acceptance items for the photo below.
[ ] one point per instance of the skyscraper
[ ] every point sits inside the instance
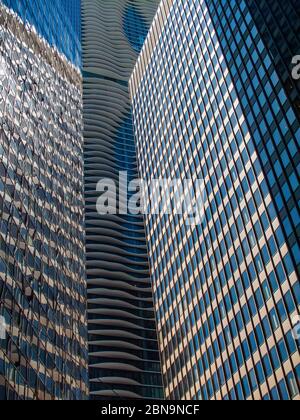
(58, 23)
(73, 10)
(279, 26)
(43, 333)
(211, 102)
(123, 351)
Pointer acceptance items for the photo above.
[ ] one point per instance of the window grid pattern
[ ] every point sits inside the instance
(123, 350)
(279, 25)
(42, 283)
(135, 27)
(57, 21)
(225, 292)
(73, 10)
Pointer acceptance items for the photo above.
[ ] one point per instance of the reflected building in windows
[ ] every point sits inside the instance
(123, 350)
(211, 101)
(43, 333)
(73, 11)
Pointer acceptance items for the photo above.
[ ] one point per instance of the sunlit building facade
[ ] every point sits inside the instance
(43, 326)
(123, 350)
(210, 103)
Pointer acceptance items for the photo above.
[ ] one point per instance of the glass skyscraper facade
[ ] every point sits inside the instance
(213, 99)
(43, 326)
(123, 350)
(57, 21)
(73, 11)
(278, 24)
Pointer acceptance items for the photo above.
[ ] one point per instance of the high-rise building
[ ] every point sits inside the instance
(123, 350)
(73, 10)
(58, 23)
(279, 26)
(211, 102)
(43, 326)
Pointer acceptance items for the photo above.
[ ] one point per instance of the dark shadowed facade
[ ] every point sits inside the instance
(213, 99)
